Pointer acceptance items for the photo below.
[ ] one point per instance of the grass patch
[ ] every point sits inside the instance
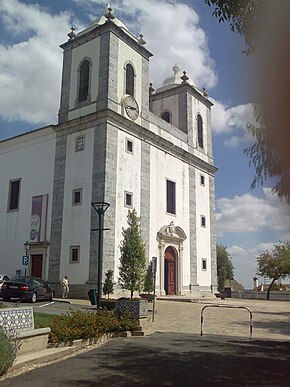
(43, 320)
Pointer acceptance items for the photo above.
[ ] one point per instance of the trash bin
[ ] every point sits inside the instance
(228, 292)
(93, 296)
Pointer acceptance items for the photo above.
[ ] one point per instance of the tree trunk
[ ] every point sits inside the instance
(131, 293)
(270, 287)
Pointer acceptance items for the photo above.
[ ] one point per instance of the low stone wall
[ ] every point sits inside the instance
(20, 320)
(274, 295)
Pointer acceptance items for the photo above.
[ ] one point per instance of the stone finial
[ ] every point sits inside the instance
(72, 33)
(176, 68)
(151, 89)
(184, 77)
(204, 92)
(108, 12)
(141, 40)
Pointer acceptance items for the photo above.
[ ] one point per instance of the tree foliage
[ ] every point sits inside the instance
(225, 268)
(265, 28)
(242, 16)
(274, 264)
(149, 280)
(108, 287)
(132, 261)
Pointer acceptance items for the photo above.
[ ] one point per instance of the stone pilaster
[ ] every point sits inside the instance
(192, 226)
(57, 209)
(65, 86)
(145, 196)
(213, 234)
(98, 188)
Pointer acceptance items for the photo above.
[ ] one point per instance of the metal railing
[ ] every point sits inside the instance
(227, 306)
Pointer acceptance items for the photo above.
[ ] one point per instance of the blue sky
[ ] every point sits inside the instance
(30, 70)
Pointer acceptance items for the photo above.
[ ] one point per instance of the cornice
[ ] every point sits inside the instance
(109, 26)
(136, 130)
(181, 89)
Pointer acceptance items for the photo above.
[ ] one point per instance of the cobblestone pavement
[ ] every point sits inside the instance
(271, 319)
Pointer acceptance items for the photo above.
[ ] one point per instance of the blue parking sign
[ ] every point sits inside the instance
(25, 260)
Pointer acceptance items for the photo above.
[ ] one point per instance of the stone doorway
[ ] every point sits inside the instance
(170, 266)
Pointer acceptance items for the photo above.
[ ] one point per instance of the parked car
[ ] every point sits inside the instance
(3, 277)
(27, 288)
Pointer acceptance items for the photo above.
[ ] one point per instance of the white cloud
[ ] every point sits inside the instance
(30, 69)
(179, 38)
(247, 213)
(245, 265)
(226, 119)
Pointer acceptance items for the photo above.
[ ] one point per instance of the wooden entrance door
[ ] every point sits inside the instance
(170, 271)
(36, 265)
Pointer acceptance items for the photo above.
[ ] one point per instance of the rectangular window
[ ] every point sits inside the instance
(203, 221)
(13, 196)
(202, 180)
(77, 197)
(80, 143)
(128, 199)
(171, 197)
(74, 254)
(203, 264)
(129, 146)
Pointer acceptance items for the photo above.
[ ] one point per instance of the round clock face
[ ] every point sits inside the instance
(131, 107)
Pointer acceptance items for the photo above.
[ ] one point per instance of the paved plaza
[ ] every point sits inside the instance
(271, 319)
(174, 353)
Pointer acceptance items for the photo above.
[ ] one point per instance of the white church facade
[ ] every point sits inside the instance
(117, 141)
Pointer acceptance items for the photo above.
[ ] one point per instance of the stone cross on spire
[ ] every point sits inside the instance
(108, 12)
(72, 33)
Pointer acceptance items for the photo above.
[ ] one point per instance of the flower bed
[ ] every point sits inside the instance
(88, 325)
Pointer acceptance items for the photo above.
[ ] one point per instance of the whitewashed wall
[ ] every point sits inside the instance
(203, 233)
(128, 179)
(76, 219)
(165, 166)
(90, 50)
(29, 157)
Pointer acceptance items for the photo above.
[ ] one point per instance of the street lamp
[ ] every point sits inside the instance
(26, 247)
(100, 208)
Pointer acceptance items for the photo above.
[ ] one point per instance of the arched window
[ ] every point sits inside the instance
(166, 116)
(199, 131)
(129, 80)
(84, 80)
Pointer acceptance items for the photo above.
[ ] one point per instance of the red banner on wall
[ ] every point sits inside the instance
(38, 222)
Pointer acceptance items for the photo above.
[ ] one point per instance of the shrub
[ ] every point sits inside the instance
(8, 348)
(133, 259)
(108, 287)
(149, 279)
(88, 325)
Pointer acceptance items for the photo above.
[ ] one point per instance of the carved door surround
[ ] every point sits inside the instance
(171, 236)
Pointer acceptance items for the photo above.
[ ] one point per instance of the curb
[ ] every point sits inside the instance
(27, 362)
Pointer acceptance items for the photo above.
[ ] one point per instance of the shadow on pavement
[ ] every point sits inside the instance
(184, 361)
(272, 326)
(169, 359)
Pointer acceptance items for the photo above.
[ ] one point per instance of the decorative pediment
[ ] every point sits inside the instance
(171, 232)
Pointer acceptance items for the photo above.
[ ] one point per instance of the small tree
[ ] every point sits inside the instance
(108, 287)
(225, 268)
(132, 260)
(274, 264)
(148, 281)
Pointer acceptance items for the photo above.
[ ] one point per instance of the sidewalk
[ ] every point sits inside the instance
(271, 322)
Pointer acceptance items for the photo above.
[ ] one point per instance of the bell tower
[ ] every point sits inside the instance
(102, 65)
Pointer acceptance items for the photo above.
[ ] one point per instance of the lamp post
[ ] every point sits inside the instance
(100, 208)
(26, 246)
